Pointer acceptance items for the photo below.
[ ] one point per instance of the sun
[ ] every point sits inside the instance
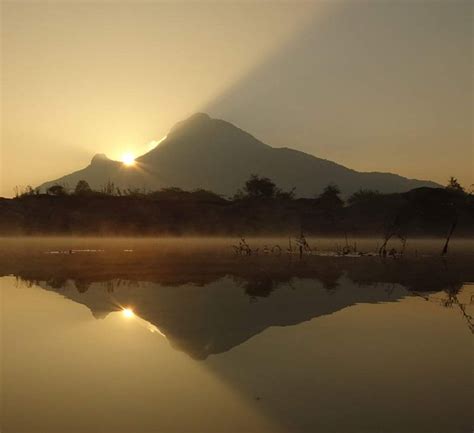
(128, 159)
(128, 313)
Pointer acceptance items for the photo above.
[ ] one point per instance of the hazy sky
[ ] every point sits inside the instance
(381, 85)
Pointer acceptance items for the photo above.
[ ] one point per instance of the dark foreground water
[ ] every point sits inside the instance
(182, 336)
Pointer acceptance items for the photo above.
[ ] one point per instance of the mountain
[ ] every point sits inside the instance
(220, 316)
(207, 153)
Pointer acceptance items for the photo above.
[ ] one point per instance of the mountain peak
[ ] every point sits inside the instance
(199, 117)
(197, 120)
(99, 158)
(201, 136)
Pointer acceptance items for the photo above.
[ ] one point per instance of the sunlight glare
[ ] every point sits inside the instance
(128, 159)
(128, 313)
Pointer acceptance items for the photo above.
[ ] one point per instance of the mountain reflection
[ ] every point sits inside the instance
(208, 304)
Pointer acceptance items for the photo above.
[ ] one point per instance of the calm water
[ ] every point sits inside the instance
(183, 336)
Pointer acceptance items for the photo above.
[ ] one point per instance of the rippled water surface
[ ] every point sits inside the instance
(142, 336)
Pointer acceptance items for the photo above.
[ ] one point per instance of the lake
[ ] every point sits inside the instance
(184, 335)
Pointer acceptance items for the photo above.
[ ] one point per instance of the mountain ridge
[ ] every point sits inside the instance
(202, 152)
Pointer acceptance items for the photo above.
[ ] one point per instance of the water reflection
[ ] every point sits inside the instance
(208, 304)
(198, 342)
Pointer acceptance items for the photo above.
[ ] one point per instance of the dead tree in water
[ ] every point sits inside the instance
(303, 245)
(393, 231)
(392, 252)
(451, 230)
(347, 249)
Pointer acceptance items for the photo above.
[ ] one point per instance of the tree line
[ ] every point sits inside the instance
(256, 187)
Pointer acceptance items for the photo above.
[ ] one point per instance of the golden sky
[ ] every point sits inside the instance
(374, 85)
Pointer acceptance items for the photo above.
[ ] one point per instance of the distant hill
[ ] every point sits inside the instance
(201, 152)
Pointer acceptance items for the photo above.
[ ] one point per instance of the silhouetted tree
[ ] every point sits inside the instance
(329, 199)
(109, 188)
(56, 190)
(259, 286)
(286, 195)
(363, 196)
(28, 190)
(132, 192)
(82, 286)
(82, 188)
(454, 185)
(260, 187)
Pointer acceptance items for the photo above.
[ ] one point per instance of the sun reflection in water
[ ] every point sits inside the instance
(128, 313)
